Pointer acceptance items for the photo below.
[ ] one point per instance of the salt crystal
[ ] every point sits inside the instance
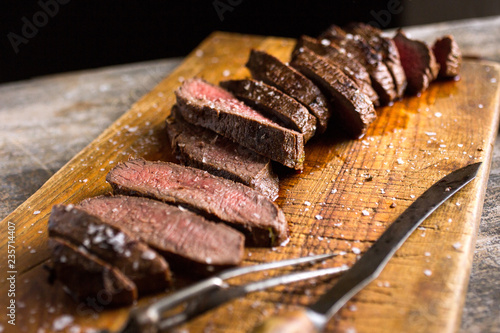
(457, 245)
(365, 212)
(36, 212)
(226, 73)
(400, 161)
(307, 203)
(355, 250)
(428, 272)
(493, 80)
(427, 254)
(325, 42)
(318, 217)
(480, 106)
(208, 260)
(353, 307)
(118, 242)
(430, 133)
(438, 114)
(69, 207)
(412, 196)
(148, 255)
(460, 145)
(199, 53)
(449, 220)
(333, 191)
(382, 191)
(133, 129)
(62, 322)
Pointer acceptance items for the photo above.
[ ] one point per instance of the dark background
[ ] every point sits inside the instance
(82, 34)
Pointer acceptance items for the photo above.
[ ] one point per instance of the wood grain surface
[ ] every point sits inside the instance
(342, 201)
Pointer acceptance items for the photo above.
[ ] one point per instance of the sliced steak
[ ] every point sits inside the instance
(448, 56)
(272, 71)
(354, 109)
(274, 104)
(357, 48)
(204, 149)
(350, 66)
(233, 203)
(112, 244)
(418, 62)
(387, 48)
(86, 275)
(212, 107)
(185, 238)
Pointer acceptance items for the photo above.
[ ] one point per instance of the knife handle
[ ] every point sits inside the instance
(291, 322)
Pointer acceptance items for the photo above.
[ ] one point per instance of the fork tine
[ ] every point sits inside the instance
(149, 316)
(213, 300)
(238, 271)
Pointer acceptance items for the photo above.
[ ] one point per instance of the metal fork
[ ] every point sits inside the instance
(214, 291)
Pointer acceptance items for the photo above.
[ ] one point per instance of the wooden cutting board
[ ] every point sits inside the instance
(348, 193)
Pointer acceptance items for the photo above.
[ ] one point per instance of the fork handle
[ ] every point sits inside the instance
(292, 322)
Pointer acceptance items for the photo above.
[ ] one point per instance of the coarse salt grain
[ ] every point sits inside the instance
(428, 272)
(307, 203)
(62, 322)
(400, 161)
(457, 245)
(36, 212)
(365, 212)
(318, 217)
(355, 250)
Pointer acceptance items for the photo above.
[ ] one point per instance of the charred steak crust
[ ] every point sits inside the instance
(204, 149)
(85, 275)
(359, 49)
(350, 66)
(111, 244)
(270, 70)
(387, 48)
(354, 108)
(274, 104)
(181, 235)
(212, 107)
(418, 62)
(448, 56)
(233, 203)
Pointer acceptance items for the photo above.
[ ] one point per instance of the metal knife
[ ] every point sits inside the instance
(368, 267)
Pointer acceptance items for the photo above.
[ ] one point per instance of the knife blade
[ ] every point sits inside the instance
(368, 267)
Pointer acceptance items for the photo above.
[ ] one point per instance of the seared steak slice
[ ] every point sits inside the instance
(86, 275)
(272, 71)
(212, 107)
(357, 48)
(354, 109)
(418, 62)
(233, 203)
(448, 56)
(350, 66)
(387, 48)
(274, 104)
(203, 149)
(114, 245)
(184, 237)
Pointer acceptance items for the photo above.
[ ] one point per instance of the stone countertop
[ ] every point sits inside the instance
(45, 121)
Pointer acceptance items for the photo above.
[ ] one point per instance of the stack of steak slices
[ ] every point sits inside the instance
(199, 216)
